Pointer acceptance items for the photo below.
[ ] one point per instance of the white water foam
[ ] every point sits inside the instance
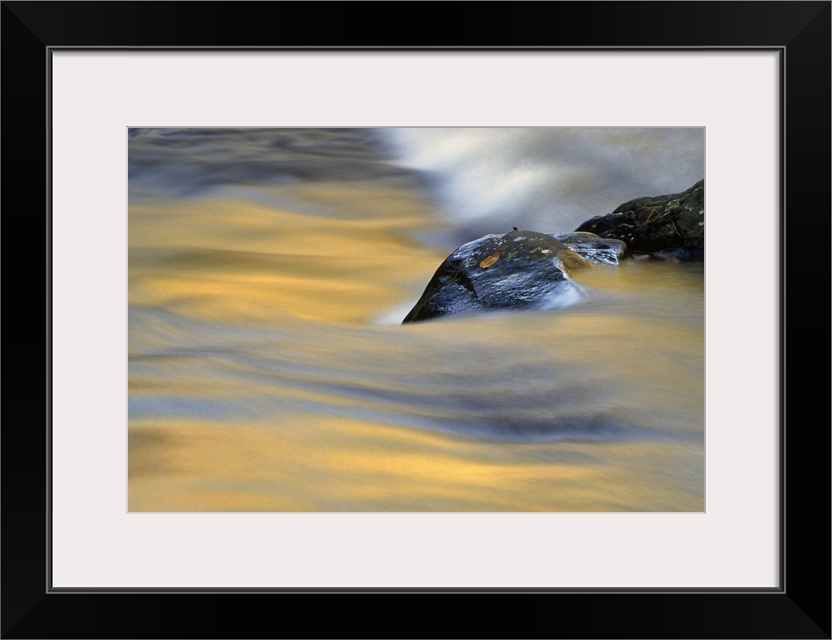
(548, 179)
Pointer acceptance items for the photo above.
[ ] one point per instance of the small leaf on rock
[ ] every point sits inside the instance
(487, 262)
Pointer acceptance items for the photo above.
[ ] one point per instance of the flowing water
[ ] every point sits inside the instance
(269, 271)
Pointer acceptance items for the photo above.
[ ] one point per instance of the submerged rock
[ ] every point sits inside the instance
(670, 227)
(592, 247)
(517, 270)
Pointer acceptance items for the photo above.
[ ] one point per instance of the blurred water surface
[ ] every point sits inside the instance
(268, 273)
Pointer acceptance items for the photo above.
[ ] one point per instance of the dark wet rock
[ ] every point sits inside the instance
(518, 270)
(679, 254)
(592, 247)
(670, 227)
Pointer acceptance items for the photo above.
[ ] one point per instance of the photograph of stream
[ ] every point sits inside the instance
(416, 320)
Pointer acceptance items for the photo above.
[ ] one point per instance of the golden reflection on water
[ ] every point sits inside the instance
(330, 464)
(237, 261)
(347, 261)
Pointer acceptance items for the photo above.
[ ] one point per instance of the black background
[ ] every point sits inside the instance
(800, 609)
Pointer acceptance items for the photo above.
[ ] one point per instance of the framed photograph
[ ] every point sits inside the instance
(240, 238)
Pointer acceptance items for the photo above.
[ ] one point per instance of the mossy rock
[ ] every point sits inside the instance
(669, 227)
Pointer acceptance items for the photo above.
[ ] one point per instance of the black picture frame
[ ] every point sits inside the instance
(799, 608)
